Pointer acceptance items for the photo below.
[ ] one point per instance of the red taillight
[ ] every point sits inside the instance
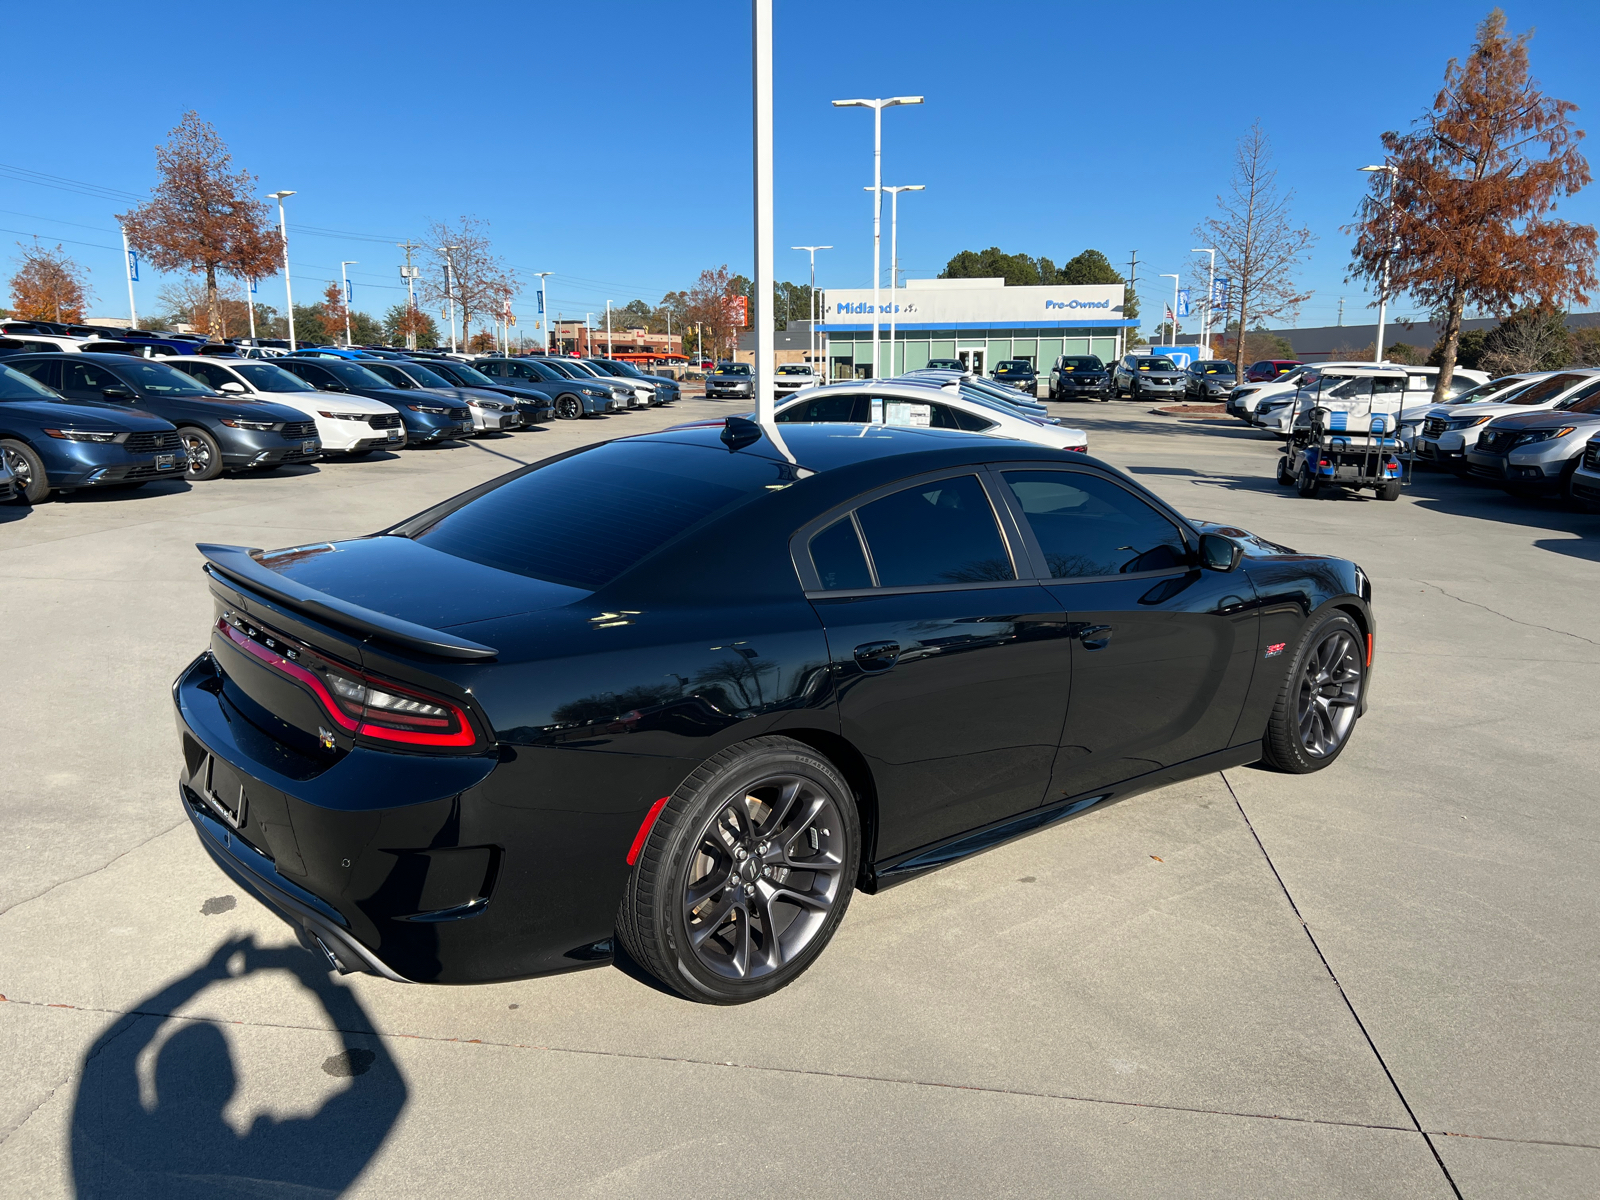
(360, 704)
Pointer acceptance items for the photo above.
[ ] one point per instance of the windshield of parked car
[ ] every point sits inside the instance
(266, 378)
(351, 375)
(14, 385)
(584, 519)
(1013, 368)
(1544, 389)
(469, 376)
(419, 374)
(158, 379)
(1082, 362)
(625, 369)
(541, 372)
(985, 387)
(1214, 368)
(1495, 387)
(563, 370)
(1585, 401)
(794, 369)
(732, 369)
(1157, 364)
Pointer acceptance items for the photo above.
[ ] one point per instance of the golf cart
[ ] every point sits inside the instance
(1342, 441)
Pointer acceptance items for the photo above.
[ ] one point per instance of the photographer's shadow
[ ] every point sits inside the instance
(181, 1146)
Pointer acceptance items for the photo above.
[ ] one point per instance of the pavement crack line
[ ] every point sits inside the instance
(1503, 616)
(94, 871)
(767, 1068)
(1343, 995)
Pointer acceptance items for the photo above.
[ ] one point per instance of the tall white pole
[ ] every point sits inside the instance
(288, 295)
(344, 284)
(812, 308)
(1383, 278)
(450, 294)
(608, 329)
(761, 54)
(1172, 326)
(250, 303)
(127, 269)
(1211, 286)
(894, 257)
(544, 303)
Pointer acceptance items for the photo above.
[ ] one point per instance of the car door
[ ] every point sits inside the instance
(952, 669)
(1162, 650)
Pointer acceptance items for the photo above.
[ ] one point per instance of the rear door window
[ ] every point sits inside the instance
(935, 533)
(1087, 526)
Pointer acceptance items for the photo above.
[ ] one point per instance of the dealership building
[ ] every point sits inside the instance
(978, 321)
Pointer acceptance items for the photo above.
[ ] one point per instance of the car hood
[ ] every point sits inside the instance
(118, 416)
(394, 397)
(315, 402)
(1545, 419)
(1489, 409)
(406, 579)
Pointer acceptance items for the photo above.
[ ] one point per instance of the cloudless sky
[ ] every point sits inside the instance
(609, 143)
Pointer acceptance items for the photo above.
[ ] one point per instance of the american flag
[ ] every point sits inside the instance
(1169, 312)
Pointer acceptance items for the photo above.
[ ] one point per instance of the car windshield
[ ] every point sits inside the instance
(991, 401)
(564, 369)
(419, 374)
(625, 369)
(1541, 390)
(983, 386)
(1215, 368)
(1082, 362)
(791, 369)
(1586, 401)
(540, 371)
(14, 385)
(1013, 368)
(1157, 364)
(732, 369)
(351, 375)
(586, 518)
(470, 376)
(1495, 387)
(158, 379)
(267, 378)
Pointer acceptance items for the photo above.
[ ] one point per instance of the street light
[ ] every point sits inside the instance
(283, 232)
(608, 329)
(877, 107)
(812, 250)
(1172, 333)
(544, 310)
(588, 333)
(894, 255)
(1211, 286)
(1383, 279)
(344, 282)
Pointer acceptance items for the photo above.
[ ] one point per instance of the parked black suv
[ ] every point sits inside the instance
(219, 433)
(1080, 376)
(1017, 373)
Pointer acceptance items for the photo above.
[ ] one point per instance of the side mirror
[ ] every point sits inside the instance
(1218, 553)
(233, 387)
(117, 393)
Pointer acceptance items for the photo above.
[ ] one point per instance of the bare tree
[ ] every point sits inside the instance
(49, 285)
(1534, 340)
(1258, 247)
(202, 217)
(468, 273)
(1463, 217)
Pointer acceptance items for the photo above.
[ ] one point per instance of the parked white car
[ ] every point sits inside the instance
(794, 377)
(1450, 430)
(1586, 478)
(347, 424)
(1384, 384)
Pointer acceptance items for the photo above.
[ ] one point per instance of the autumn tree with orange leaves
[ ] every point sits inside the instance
(333, 310)
(203, 217)
(1464, 217)
(48, 286)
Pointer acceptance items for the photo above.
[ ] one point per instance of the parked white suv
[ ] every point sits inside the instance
(1449, 430)
(1585, 486)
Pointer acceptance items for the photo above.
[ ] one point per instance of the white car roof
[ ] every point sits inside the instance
(1010, 425)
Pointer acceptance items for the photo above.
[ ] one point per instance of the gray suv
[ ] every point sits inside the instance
(1148, 375)
(731, 379)
(1537, 453)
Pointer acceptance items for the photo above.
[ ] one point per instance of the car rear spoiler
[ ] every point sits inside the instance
(240, 565)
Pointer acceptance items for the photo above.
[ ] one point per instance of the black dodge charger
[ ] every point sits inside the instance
(687, 691)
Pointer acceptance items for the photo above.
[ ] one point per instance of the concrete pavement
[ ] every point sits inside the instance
(1375, 981)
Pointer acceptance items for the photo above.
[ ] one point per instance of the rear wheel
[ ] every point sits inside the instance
(746, 873)
(1390, 490)
(32, 485)
(205, 456)
(1306, 481)
(1315, 711)
(568, 408)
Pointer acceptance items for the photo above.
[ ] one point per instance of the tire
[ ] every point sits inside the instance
(33, 485)
(1311, 723)
(713, 873)
(568, 407)
(1390, 490)
(205, 456)
(1285, 476)
(1306, 482)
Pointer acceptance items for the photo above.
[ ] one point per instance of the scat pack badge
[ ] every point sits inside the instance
(1275, 649)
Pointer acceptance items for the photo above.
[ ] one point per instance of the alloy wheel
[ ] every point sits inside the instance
(20, 468)
(568, 408)
(199, 454)
(768, 868)
(1330, 688)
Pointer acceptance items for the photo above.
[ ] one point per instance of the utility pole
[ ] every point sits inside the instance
(1133, 284)
(1341, 310)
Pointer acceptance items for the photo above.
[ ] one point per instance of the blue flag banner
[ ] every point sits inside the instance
(1183, 302)
(252, 287)
(1219, 293)
(349, 292)
(541, 300)
(133, 265)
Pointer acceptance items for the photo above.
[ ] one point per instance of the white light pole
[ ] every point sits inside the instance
(812, 250)
(127, 269)
(588, 334)
(1383, 280)
(283, 232)
(450, 292)
(877, 107)
(544, 310)
(250, 302)
(344, 282)
(894, 255)
(608, 329)
(1172, 332)
(761, 114)
(1211, 286)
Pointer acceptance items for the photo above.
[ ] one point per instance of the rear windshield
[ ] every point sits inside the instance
(583, 520)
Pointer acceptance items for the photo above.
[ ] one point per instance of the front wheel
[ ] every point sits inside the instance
(205, 456)
(745, 874)
(1316, 707)
(1285, 475)
(27, 468)
(568, 408)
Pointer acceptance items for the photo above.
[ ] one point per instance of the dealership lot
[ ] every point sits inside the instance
(1127, 1004)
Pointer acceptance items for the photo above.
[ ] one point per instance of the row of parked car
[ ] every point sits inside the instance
(1533, 433)
(78, 414)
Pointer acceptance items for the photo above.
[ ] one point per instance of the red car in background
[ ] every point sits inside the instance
(1269, 369)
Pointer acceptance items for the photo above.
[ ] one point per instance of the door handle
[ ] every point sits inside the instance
(877, 656)
(1095, 637)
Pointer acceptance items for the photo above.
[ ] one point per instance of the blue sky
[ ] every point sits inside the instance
(609, 143)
